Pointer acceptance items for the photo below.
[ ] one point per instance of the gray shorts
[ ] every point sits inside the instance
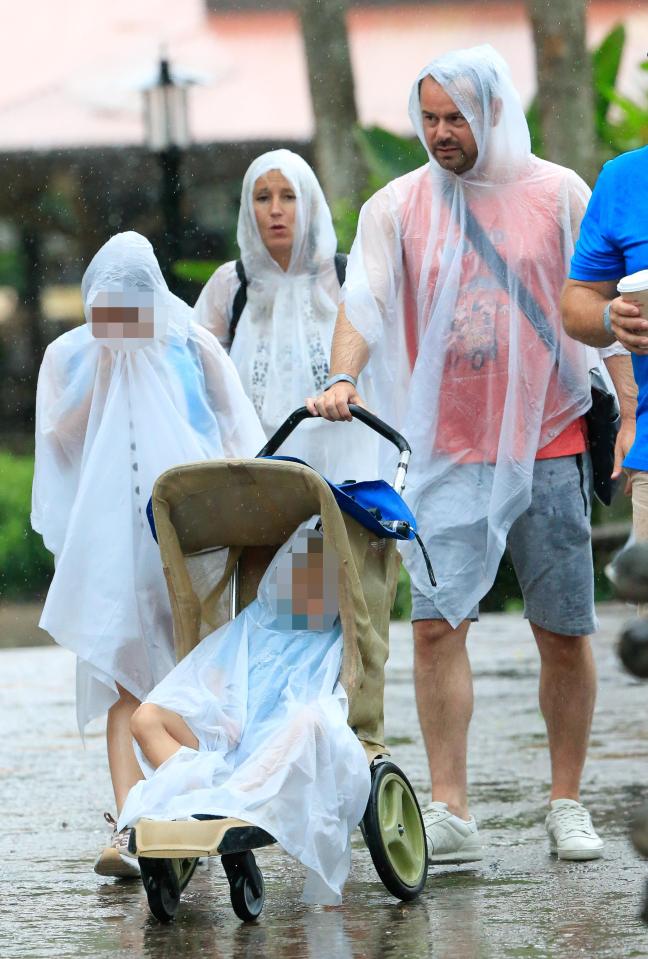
(551, 551)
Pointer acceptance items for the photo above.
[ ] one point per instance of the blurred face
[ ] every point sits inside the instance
(275, 202)
(122, 316)
(307, 591)
(447, 132)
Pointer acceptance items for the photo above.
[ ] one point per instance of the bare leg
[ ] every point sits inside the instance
(567, 696)
(160, 733)
(124, 768)
(444, 698)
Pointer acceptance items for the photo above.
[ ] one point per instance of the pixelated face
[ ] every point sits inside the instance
(127, 315)
(306, 584)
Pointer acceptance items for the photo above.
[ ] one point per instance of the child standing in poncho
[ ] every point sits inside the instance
(136, 390)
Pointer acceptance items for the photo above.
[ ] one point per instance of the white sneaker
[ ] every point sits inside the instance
(571, 833)
(116, 859)
(449, 838)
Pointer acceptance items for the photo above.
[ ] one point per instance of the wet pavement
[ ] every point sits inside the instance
(519, 902)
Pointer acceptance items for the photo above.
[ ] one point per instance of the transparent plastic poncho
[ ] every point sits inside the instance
(112, 413)
(460, 368)
(283, 338)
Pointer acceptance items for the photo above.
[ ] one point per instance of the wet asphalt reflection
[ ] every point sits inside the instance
(518, 902)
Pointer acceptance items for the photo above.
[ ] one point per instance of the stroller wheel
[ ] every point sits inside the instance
(247, 889)
(164, 880)
(392, 827)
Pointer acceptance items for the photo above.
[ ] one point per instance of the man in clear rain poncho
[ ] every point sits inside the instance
(135, 390)
(451, 297)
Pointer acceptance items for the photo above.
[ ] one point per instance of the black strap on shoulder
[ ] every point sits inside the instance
(340, 267)
(240, 299)
(500, 270)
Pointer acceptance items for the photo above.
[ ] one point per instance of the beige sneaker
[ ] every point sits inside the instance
(450, 839)
(115, 860)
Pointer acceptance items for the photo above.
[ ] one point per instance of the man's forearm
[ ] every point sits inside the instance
(582, 306)
(582, 311)
(620, 370)
(349, 350)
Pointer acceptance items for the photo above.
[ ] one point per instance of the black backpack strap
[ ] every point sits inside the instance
(340, 267)
(240, 299)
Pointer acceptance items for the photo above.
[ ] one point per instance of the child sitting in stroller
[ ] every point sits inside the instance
(252, 724)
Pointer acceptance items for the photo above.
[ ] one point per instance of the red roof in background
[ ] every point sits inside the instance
(69, 74)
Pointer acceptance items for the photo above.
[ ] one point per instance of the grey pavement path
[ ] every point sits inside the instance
(519, 902)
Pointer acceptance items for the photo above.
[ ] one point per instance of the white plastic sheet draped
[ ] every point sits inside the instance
(275, 749)
(460, 368)
(283, 339)
(112, 414)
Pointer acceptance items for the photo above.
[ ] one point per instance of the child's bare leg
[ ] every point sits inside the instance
(160, 733)
(124, 768)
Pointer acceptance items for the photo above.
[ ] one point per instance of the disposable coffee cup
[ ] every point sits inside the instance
(634, 289)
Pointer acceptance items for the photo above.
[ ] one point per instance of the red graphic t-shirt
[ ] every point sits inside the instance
(476, 369)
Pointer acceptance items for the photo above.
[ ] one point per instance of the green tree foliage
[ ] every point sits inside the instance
(621, 123)
(25, 565)
(606, 61)
(196, 271)
(387, 156)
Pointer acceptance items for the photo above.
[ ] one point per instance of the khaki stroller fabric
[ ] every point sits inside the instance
(251, 507)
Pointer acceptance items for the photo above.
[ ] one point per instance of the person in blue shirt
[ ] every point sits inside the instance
(613, 243)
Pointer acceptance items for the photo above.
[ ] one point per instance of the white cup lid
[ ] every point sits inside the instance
(635, 283)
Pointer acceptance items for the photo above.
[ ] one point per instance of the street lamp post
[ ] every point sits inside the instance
(167, 135)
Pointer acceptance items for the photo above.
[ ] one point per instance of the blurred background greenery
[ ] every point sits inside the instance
(25, 564)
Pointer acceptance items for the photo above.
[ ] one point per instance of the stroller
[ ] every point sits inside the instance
(218, 524)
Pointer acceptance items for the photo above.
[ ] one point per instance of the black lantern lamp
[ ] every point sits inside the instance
(167, 135)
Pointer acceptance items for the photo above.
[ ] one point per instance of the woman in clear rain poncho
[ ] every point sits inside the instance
(137, 389)
(282, 341)
(252, 723)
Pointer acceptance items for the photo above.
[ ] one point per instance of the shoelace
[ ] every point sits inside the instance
(573, 819)
(431, 816)
(119, 839)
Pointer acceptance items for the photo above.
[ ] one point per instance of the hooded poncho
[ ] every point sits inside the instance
(262, 697)
(462, 371)
(112, 413)
(283, 339)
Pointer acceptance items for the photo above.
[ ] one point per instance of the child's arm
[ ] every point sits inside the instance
(64, 398)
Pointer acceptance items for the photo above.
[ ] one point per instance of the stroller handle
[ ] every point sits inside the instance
(358, 412)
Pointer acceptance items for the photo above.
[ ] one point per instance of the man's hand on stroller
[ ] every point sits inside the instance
(333, 404)
(349, 355)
